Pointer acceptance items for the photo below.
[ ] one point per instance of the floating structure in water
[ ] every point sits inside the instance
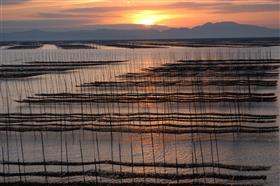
(114, 107)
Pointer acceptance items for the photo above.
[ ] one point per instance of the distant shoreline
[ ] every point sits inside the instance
(156, 43)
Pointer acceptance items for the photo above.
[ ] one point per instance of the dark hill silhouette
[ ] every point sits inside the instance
(208, 30)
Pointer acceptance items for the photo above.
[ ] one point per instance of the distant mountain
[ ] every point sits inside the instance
(208, 30)
(124, 27)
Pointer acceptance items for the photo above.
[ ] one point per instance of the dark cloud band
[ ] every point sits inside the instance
(10, 2)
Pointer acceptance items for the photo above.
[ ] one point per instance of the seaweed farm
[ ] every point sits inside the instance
(139, 113)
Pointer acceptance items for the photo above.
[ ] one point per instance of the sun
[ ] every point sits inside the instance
(147, 21)
(148, 18)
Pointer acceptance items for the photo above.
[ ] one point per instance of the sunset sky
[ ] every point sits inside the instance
(17, 15)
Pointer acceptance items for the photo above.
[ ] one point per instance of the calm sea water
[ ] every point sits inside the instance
(252, 149)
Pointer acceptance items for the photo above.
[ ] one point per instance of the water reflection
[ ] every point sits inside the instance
(233, 148)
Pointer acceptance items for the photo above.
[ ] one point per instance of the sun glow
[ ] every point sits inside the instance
(147, 21)
(149, 18)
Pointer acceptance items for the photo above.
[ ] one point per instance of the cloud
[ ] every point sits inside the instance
(42, 24)
(229, 7)
(272, 7)
(10, 2)
(213, 7)
(203, 5)
(55, 15)
(101, 9)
